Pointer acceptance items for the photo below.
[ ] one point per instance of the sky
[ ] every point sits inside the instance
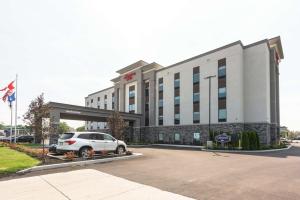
(68, 49)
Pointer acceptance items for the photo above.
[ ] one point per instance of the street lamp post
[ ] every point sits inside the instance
(209, 78)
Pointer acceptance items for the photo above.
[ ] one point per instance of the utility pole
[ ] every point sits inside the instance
(209, 121)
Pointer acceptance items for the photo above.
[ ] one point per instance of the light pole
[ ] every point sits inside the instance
(209, 78)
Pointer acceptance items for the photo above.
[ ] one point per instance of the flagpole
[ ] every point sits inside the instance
(16, 108)
(11, 121)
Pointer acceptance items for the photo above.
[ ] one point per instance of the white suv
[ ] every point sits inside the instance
(82, 142)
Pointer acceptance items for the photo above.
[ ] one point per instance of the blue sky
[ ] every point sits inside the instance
(68, 49)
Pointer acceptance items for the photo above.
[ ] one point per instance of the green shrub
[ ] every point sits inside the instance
(252, 141)
(245, 140)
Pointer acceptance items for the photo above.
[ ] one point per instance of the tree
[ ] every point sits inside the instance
(2, 126)
(37, 110)
(116, 125)
(63, 127)
(80, 129)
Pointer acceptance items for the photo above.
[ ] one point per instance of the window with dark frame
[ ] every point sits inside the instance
(196, 95)
(146, 103)
(131, 99)
(177, 98)
(113, 101)
(222, 94)
(160, 99)
(105, 102)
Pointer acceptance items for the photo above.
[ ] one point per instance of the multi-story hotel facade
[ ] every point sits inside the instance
(174, 101)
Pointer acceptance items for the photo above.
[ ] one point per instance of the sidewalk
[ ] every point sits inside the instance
(80, 184)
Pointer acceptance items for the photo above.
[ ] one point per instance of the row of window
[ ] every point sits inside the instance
(177, 137)
(131, 104)
(105, 102)
(222, 111)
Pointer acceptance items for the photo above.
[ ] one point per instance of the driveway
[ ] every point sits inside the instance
(81, 184)
(205, 175)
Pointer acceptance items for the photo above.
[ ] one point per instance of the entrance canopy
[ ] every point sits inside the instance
(59, 111)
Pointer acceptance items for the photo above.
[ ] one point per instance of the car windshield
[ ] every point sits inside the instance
(66, 136)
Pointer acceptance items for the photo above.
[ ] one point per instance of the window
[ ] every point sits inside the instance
(177, 100)
(196, 78)
(196, 97)
(98, 107)
(84, 136)
(131, 93)
(131, 108)
(98, 98)
(105, 106)
(146, 103)
(113, 101)
(108, 137)
(177, 137)
(177, 83)
(87, 104)
(222, 115)
(92, 100)
(196, 136)
(96, 136)
(177, 119)
(222, 71)
(161, 137)
(160, 102)
(160, 119)
(222, 92)
(196, 117)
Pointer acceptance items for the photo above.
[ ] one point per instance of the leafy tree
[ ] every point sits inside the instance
(80, 129)
(116, 125)
(63, 128)
(2, 126)
(37, 110)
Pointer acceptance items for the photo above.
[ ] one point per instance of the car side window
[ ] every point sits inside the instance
(108, 137)
(84, 136)
(97, 136)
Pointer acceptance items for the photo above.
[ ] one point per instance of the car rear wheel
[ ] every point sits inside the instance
(120, 150)
(84, 152)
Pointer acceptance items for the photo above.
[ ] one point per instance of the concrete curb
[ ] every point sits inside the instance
(77, 163)
(254, 151)
(179, 146)
(139, 145)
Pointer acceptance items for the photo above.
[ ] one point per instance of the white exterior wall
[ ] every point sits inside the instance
(208, 66)
(257, 83)
(95, 104)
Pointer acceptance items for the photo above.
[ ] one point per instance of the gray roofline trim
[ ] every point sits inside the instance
(132, 66)
(204, 54)
(218, 49)
(100, 91)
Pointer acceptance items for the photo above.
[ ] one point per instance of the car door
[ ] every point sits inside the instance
(97, 141)
(110, 143)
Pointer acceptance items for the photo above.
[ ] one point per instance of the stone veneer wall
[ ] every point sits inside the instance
(266, 134)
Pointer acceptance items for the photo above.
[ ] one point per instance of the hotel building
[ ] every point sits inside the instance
(174, 100)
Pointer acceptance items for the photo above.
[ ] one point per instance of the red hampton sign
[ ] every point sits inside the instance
(129, 76)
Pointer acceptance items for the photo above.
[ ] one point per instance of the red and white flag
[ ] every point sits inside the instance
(9, 90)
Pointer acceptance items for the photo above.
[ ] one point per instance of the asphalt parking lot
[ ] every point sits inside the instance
(207, 175)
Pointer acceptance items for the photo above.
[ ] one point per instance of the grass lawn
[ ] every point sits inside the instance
(12, 161)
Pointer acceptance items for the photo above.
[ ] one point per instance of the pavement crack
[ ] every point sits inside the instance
(55, 188)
